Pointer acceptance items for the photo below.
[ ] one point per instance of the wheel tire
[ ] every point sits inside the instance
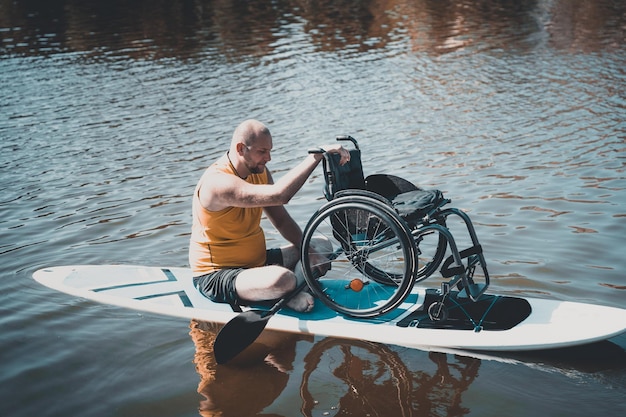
(368, 238)
(438, 311)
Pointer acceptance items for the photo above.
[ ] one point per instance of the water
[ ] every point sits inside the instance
(109, 112)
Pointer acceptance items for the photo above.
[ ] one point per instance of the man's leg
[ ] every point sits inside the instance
(274, 281)
(264, 283)
(269, 283)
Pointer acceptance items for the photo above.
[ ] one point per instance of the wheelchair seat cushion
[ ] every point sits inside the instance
(416, 204)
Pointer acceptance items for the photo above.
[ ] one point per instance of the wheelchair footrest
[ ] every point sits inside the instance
(473, 291)
(447, 271)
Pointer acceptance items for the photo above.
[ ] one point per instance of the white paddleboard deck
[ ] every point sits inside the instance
(170, 291)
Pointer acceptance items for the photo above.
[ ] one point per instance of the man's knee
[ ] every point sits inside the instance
(291, 256)
(322, 245)
(285, 279)
(266, 282)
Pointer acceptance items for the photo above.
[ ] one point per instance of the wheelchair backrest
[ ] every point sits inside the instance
(342, 177)
(350, 177)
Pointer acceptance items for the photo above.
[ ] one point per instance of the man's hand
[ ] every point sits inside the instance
(338, 149)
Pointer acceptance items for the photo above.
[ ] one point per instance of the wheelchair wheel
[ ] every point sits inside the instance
(373, 261)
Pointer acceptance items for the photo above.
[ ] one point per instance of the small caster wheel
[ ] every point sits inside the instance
(438, 311)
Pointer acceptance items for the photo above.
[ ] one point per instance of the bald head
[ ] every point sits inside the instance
(250, 148)
(249, 132)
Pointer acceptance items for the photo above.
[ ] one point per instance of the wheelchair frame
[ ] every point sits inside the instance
(377, 240)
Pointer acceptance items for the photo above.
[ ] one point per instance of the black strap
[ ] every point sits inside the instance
(236, 308)
(448, 272)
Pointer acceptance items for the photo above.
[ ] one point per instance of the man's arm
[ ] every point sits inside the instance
(219, 191)
(222, 190)
(285, 224)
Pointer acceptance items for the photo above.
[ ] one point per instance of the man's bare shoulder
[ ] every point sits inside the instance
(218, 173)
(215, 183)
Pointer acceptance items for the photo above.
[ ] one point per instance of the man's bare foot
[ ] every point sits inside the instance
(303, 302)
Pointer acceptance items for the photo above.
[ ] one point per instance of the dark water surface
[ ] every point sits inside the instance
(110, 110)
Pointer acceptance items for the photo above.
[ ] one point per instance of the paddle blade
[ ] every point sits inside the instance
(238, 334)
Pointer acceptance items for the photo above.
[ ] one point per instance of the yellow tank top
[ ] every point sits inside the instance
(227, 238)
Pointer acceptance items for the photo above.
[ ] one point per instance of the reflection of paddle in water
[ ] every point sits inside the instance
(261, 371)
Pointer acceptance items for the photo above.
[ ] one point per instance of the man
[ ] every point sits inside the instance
(227, 251)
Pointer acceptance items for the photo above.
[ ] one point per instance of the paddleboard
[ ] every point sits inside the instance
(494, 323)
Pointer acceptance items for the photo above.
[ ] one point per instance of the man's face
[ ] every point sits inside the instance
(257, 155)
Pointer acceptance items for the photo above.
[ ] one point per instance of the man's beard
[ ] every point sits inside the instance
(254, 169)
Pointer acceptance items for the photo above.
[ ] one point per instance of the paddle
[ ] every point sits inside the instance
(241, 331)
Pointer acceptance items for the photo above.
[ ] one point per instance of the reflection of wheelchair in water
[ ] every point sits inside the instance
(357, 377)
(386, 235)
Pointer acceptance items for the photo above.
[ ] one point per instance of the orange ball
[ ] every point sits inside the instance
(356, 285)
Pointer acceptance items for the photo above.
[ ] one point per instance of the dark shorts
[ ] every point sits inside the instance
(219, 286)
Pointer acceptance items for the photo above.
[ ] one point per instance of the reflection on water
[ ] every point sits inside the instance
(353, 377)
(371, 379)
(598, 359)
(260, 372)
(338, 378)
(184, 29)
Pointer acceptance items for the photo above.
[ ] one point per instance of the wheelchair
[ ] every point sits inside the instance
(384, 235)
